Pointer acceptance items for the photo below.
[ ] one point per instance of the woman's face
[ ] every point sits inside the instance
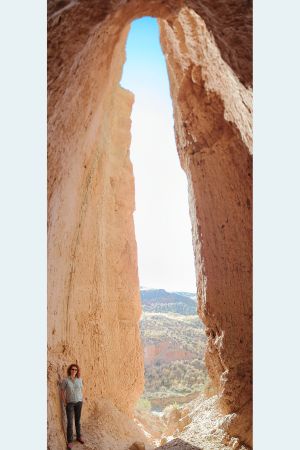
(73, 372)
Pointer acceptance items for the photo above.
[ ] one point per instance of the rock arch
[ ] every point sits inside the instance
(93, 289)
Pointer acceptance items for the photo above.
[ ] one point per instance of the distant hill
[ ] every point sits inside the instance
(161, 301)
(182, 333)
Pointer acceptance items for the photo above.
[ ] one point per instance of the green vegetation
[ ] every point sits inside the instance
(170, 324)
(175, 378)
(143, 404)
(180, 308)
(181, 332)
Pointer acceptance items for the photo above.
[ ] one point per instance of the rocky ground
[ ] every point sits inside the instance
(196, 426)
(201, 426)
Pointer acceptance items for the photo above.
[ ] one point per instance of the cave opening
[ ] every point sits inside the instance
(93, 289)
(172, 334)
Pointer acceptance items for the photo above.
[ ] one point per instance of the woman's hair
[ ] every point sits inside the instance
(77, 367)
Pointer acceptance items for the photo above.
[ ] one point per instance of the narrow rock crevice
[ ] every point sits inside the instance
(93, 287)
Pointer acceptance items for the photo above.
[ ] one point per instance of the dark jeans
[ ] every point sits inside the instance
(70, 409)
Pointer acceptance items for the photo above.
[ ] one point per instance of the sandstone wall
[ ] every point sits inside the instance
(93, 289)
(213, 113)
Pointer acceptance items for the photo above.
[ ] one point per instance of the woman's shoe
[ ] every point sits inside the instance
(70, 445)
(80, 440)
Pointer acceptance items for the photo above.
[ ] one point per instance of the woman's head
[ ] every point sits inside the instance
(73, 369)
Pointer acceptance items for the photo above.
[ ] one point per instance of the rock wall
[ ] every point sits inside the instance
(213, 112)
(93, 288)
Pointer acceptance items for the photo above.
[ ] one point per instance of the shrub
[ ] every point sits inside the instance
(143, 404)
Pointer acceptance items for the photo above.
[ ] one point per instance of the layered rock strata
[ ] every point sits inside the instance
(93, 289)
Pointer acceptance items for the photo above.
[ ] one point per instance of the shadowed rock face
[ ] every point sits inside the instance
(178, 444)
(93, 288)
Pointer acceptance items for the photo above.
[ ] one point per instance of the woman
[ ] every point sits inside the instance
(71, 394)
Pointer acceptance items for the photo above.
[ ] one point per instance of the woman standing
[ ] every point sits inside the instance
(71, 393)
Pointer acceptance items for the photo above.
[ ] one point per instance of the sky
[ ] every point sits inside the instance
(162, 222)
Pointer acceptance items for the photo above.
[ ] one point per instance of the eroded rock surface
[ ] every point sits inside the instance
(93, 288)
(213, 133)
(199, 425)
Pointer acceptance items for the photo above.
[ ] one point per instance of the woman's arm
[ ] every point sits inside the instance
(63, 396)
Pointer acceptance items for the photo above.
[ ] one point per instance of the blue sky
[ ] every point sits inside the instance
(145, 68)
(162, 223)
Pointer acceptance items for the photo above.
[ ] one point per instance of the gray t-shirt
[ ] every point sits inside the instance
(73, 389)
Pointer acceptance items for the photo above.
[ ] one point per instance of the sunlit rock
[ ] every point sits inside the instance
(93, 288)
